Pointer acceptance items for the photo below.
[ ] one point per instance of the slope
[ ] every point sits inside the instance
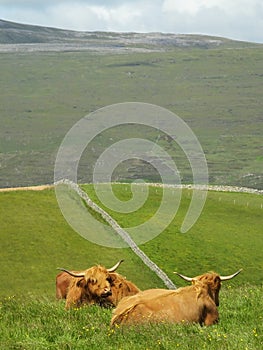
(35, 239)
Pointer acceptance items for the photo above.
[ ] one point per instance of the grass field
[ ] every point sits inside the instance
(35, 239)
(222, 239)
(217, 92)
(44, 325)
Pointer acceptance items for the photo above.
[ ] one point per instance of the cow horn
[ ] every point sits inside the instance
(188, 279)
(113, 268)
(225, 278)
(79, 274)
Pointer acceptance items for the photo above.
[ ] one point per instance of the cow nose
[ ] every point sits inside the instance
(106, 292)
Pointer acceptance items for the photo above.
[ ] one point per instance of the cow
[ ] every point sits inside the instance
(192, 304)
(64, 278)
(90, 286)
(120, 288)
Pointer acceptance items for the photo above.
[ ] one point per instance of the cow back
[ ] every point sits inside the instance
(187, 304)
(63, 280)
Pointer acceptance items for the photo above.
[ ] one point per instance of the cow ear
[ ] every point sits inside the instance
(113, 277)
(110, 280)
(217, 280)
(80, 282)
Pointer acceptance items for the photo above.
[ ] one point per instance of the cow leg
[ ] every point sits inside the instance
(211, 318)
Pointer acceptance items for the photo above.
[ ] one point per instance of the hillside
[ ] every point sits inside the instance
(35, 239)
(51, 78)
(55, 39)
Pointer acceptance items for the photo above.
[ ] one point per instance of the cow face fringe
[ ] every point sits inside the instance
(90, 288)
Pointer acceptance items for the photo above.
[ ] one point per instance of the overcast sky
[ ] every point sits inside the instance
(234, 19)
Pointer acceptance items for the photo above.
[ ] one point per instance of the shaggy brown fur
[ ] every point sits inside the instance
(120, 288)
(90, 289)
(63, 280)
(212, 279)
(187, 304)
(196, 303)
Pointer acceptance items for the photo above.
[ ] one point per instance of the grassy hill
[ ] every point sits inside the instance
(51, 78)
(18, 33)
(35, 239)
(213, 84)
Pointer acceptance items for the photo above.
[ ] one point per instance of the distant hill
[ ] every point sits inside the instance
(51, 78)
(17, 33)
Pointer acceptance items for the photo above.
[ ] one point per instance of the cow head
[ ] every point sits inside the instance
(212, 280)
(120, 288)
(95, 281)
(117, 280)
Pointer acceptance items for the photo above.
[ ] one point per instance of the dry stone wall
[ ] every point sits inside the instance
(122, 233)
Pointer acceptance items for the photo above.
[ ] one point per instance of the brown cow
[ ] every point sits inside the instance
(196, 303)
(64, 278)
(89, 286)
(120, 288)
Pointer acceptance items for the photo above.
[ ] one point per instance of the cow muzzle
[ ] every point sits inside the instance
(106, 294)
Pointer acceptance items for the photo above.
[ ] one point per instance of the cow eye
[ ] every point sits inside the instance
(93, 280)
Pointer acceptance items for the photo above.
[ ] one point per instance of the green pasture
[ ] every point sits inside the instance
(35, 239)
(227, 235)
(217, 92)
(41, 324)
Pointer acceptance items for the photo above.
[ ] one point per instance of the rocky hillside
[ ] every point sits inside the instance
(55, 39)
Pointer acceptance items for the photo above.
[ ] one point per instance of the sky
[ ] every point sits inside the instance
(233, 19)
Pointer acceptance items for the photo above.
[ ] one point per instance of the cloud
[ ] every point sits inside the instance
(96, 17)
(194, 7)
(115, 15)
(234, 19)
